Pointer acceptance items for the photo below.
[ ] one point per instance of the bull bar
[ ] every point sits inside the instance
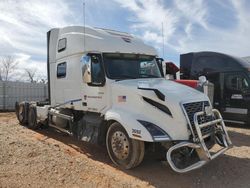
(200, 146)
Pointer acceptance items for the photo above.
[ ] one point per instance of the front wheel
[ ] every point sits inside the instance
(125, 152)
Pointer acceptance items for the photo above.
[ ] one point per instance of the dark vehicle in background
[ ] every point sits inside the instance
(247, 59)
(231, 78)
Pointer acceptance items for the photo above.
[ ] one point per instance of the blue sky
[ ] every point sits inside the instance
(189, 25)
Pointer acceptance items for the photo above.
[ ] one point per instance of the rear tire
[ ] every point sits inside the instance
(21, 111)
(32, 118)
(125, 152)
(17, 109)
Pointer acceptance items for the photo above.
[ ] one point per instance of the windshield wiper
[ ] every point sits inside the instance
(149, 76)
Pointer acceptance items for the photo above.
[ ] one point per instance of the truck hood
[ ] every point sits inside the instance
(131, 98)
(172, 91)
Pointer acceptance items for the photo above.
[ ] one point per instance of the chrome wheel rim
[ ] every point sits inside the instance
(120, 145)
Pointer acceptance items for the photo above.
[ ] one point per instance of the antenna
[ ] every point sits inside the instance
(84, 24)
(163, 47)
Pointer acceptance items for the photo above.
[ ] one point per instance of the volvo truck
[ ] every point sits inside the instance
(107, 87)
(231, 78)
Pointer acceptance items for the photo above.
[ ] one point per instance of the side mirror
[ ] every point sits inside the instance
(171, 70)
(160, 65)
(202, 80)
(86, 69)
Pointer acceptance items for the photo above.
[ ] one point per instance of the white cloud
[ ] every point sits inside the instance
(234, 41)
(243, 16)
(152, 36)
(148, 17)
(186, 25)
(26, 62)
(194, 11)
(24, 25)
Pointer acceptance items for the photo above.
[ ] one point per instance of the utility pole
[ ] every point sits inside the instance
(163, 46)
(84, 24)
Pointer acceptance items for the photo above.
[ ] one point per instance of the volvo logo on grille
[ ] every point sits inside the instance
(208, 110)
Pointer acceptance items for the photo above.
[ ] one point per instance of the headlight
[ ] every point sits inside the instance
(156, 132)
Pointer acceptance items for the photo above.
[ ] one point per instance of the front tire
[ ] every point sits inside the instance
(125, 152)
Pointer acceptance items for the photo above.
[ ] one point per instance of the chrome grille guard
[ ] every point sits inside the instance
(201, 148)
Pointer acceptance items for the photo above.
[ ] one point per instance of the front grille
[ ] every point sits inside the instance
(191, 109)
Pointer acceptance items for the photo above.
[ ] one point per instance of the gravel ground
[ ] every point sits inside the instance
(47, 158)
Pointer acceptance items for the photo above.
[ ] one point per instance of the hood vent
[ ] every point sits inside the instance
(161, 107)
(159, 94)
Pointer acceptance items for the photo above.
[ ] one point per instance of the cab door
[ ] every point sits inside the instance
(94, 95)
(236, 95)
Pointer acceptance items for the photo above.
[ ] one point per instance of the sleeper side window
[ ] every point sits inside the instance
(62, 43)
(61, 70)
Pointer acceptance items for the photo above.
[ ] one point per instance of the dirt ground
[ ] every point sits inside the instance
(47, 158)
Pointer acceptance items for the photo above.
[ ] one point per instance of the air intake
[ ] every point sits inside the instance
(161, 107)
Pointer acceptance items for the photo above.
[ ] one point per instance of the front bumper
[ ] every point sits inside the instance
(203, 152)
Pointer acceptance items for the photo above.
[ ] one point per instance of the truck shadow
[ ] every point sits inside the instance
(235, 125)
(93, 151)
(225, 171)
(239, 139)
(218, 173)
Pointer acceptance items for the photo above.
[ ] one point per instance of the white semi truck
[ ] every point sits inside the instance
(108, 87)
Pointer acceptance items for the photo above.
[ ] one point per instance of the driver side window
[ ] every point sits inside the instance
(97, 72)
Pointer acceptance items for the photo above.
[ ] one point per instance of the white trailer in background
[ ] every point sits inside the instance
(108, 87)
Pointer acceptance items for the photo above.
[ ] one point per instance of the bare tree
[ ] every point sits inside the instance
(41, 78)
(43, 81)
(8, 65)
(31, 74)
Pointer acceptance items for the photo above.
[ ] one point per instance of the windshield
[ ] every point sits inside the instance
(130, 66)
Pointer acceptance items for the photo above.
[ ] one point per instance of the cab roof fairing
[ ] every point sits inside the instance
(102, 40)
